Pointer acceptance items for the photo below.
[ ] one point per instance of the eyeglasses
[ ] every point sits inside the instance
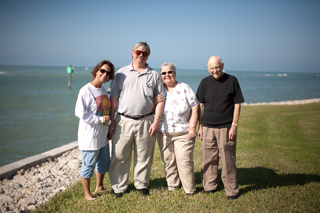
(169, 72)
(104, 71)
(144, 54)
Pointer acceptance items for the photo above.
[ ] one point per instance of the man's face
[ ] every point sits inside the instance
(139, 55)
(215, 69)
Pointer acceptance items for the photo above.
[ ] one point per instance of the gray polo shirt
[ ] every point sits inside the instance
(136, 91)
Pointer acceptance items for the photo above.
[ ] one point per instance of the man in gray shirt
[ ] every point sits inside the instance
(137, 91)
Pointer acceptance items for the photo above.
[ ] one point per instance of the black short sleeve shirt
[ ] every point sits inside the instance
(219, 97)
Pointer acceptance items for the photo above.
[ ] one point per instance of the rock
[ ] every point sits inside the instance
(21, 172)
(3, 209)
(4, 181)
(31, 208)
(6, 200)
(35, 179)
(34, 186)
(23, 208)
(17, 197)
(60, 173)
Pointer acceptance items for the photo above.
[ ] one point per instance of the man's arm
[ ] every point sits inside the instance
(159, 105)
(114, 103)
(236, 115)
(201, 111)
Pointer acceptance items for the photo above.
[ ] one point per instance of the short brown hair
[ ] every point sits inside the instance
(99, 65)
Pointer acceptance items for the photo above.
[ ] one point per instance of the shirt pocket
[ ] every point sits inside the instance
(148, 90)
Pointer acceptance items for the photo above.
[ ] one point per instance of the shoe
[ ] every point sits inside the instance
(211, 191)
(145, 192)
(233, 197)
(119, 195)
(190, 194)
(91, 199)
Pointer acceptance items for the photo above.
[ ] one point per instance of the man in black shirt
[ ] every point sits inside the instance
(220, 96)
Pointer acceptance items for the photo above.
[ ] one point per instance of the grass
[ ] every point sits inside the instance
(278, 161)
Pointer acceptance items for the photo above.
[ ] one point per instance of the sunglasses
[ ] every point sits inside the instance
(164, 73)
(104, 71)
(144, 54)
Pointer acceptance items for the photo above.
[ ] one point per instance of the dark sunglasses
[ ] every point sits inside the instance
(144, 54)
(104, 71)
(169, 72)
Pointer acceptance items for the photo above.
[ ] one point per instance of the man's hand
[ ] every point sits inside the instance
(200, 133)
(112, 129)
(153, 129)
(232, 132)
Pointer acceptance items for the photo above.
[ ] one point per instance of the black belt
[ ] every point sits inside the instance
(136, 117)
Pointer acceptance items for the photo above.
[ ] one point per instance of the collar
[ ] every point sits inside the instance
(146, 70)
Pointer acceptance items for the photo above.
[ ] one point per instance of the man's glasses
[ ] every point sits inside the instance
(169, 72)
(104, 71)
(144, 54)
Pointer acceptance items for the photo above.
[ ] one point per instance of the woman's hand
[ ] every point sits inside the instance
(192, 133)
(106, 119)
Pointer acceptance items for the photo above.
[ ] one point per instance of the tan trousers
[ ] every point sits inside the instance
(177, 154)
(131, 134)
(215, 141)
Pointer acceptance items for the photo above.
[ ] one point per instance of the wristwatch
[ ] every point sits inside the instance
(234, 124)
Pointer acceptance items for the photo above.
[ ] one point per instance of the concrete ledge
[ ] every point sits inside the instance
(9, 170)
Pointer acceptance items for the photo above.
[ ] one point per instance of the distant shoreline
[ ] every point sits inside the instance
(293, 102)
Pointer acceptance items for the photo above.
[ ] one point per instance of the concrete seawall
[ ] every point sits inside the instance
(9, 170)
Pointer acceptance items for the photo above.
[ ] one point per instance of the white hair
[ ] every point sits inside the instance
(168, 64)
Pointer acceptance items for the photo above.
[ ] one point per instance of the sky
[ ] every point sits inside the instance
(248, 35)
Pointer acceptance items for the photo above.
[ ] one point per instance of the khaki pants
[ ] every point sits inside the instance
(130, 134)
(215, 141)
(177, 155)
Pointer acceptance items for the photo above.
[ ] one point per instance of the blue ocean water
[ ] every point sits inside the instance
(37, 108)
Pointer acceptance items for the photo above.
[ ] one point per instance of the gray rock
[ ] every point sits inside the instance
(32, 207)
(23, 208)
(1, 190)
(36, 185)
(6, 200)
(3, 209)
(27, 201)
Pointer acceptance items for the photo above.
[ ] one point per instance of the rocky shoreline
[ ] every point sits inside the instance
(294, 102)
(34, 186)
(29, 188)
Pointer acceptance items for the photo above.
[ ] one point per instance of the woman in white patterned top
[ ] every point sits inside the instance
(177, 131)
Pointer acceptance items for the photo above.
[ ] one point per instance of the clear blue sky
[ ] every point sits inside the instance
(265, 35)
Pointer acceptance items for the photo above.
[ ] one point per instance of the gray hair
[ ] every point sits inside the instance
(144, 45)
(168, 64)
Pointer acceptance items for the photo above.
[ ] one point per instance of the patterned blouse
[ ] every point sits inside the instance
(177, 109)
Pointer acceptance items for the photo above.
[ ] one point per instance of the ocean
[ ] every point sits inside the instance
(37, 108)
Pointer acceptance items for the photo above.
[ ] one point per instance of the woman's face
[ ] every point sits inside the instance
(168, 75)
(103, 74)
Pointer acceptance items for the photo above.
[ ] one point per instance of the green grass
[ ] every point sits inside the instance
(278, 160)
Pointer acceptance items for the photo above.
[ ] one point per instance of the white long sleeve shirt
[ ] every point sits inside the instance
(91, 105)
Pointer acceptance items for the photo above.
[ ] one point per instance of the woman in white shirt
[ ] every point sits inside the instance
(92, 109)
(176, 136)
